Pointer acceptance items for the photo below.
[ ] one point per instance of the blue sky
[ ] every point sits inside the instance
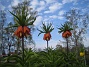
(48, 11)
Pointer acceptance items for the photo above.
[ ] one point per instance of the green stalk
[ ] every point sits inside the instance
(23, 44)
(47, 45)
(67, 46)
(67, 50)
(76, 49)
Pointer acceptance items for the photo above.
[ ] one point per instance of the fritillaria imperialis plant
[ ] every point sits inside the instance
(46, 29)
(66, 32)
(23, 18)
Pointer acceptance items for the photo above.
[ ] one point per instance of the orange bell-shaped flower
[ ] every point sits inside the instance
(66, 34)
(44, 38)
(22, 31)
(47, 36)
(18, 32)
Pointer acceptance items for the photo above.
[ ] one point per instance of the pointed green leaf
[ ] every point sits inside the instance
(15, 16)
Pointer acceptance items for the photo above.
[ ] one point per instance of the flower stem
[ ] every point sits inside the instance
(23, 44)
(47, 45)
(67, 50)
(67, 46)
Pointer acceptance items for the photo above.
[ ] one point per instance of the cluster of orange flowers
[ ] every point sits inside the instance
(66, 34)
(47, 36)
(22, 31)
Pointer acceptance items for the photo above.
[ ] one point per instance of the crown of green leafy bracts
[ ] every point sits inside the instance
(22, 18)
(65, 27)
(46, 28)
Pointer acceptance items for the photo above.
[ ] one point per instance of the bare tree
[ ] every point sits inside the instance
(2, 22)
(79, 23)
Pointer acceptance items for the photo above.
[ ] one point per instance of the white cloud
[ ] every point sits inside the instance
(61, 12)
(46, 19)
(84, 10)
(9, 7)
(43, 44)
(86, 41)
(41, 7)
(34, 4)
(61, 17)
(56, 17)
(50, 1)
(42, 3)
(15, 2)
(53, 43)
(53, 16)
(38, 20)
(2, 7)
(62, 42)
(54, 7)
(68, 1)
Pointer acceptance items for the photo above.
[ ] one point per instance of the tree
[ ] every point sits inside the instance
(9, 38)
(2, 22)
(79, 22)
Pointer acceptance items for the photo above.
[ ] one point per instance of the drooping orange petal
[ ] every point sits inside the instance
(47, 36)
(26, 31)
(18, 32)
(44, 38)
(66, 34)
(22, 31)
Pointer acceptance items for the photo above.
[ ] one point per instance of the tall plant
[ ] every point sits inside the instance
(46, 29)
(66, 33)
(23, 18)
